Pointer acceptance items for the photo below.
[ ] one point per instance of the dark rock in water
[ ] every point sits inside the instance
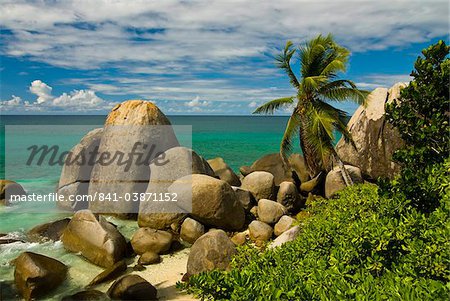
(76, 172)
(149, 258)
(132, 287)
(375, 139)
(180, 162)
(9, 188)
(213, 201)
(110, 273)
(52, 231)
(151, 240)
(224, 172)
(4, 240)
(7, 291)
(35, 275)
(212, 250)
(89, 295)
(95, 238)
(139, 267)
(134, 126)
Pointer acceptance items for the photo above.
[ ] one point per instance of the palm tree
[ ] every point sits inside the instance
(313, 118)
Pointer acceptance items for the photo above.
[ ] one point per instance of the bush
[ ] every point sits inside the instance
(357, 246)
(422, 117)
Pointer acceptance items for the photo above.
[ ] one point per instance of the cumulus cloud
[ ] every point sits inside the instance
(253, 104)
(42, 90)
(196, 102)
(77, 100)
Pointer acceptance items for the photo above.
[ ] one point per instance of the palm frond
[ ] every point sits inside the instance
(343, 90)
(273, 105)
(292, 128)
(284, 62)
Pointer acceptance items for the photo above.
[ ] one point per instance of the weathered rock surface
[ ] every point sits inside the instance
(149, 258)
(334, 181)
(375, 139)
(212, 250)
(77, 169)
(48, 231)
(285, 223)
(273, 164)
(88, 295)
(261, 185)
(269, 211)
(151, 240)
(259, 231)
(110, 273)
(239, 238)
(287, 236)
(96, 239)
(9, 188)
(224, 172)
(134, 126)
(35, 275)
(132, 287)
(191, 230)
(244, 197)
(179, 162)
(213, 201)
(288, 196)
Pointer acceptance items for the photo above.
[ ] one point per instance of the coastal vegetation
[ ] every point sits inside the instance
(313, 118)
(369, 242)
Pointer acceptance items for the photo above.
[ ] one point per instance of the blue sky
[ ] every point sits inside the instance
(194, 57)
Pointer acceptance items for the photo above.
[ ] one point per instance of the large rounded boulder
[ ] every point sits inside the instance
(191, 230)
(334, 181)
(213, 250)
(270, 212)
(178, 162)
(261, 184)
(95, 238)
(224, 172)
(211, 201)
(133, 127)
(375, 139)
(35, 275)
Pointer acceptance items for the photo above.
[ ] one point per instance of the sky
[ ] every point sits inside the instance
(195, 57)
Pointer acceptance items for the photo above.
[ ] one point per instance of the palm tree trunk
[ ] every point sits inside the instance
(344, 172)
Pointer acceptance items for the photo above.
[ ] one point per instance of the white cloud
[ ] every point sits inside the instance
(42, 90)
(253, 104)
(75, 101)
(372, 81)
(196, 103)
(187, 34)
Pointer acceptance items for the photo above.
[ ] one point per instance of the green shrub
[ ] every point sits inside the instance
(356, 246)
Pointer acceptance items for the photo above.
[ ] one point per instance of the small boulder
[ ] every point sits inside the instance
(35, 275)
(254, 211)
(88, 295)
(9, 188)
(288, 196)
(334, 181)
(149, 258)
(151, 240)
(259, 231)
(132, 287)
(270, 212)
(239, 238)
(244, 197)
(224, 172)
(48, 231)
(287, 236)
(213, 250)
(110, 273)
(95, 238)
(191, 230)
(260, 184)
(285, 223)
(211, 201)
